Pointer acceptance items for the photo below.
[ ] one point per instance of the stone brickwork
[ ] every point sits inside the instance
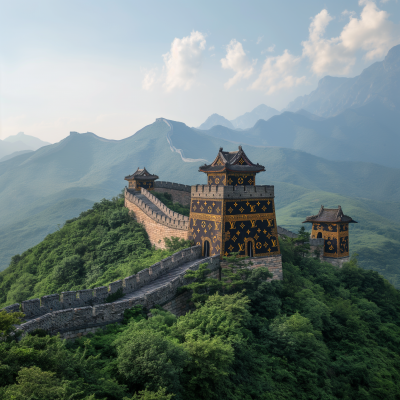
(179, 305)
(74, 322)
(180, 193)
(273, 263)
(172, 214)
(157, 224)
(90, 297)
(338, 262)
(232, 192)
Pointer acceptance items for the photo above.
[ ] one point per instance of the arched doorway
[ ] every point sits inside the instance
(250, 248)
(319, 236)
(206, 251)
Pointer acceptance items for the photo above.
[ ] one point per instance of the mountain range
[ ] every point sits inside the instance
(245, 121)
(380, 82)
(19, 144)
(40, 190)
(343, 119)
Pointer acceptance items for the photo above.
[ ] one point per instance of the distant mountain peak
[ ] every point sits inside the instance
(215, 119)
(378, 82)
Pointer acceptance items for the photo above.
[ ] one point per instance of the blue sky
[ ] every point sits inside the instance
(112, 67)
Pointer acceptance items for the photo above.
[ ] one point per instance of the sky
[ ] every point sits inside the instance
(113, 67)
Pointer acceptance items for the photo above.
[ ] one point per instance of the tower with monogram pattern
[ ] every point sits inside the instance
(232, 214)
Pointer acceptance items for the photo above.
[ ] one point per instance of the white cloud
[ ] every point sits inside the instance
(372, 33)
(211, 48)
(277, 73)
(149, 79)
(183, 61)
(260, 38)
(236, 60)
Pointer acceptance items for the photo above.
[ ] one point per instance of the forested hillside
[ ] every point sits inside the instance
(321, 333)
(100, 246)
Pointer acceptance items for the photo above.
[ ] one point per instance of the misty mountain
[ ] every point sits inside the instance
(380, 82)
(40, 190)
(33, 142)
(245, 121)
(214, 120)
(16, 153)
(249, 119)
(368, 133)
(18, 143)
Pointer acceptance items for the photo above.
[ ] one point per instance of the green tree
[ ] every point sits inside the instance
(8, 322)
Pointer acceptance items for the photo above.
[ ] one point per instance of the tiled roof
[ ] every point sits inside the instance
(330, 215)
(141, 174)
(235, 161)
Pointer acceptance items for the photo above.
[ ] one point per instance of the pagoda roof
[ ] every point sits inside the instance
(234, 161)
(141, 174)
(334, 215)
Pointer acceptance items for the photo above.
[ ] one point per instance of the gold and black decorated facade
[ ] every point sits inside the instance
(332, 226)
(232, 168)
(234, 220)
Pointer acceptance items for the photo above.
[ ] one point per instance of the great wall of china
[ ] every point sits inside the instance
(76, 313)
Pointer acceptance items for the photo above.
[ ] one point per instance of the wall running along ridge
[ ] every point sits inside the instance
(158, 224)
(180, 193)
(92, 297)
(75, 322)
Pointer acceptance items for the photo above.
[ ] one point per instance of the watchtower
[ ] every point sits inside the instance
(333, 226)
(231, 213)
(141, 179)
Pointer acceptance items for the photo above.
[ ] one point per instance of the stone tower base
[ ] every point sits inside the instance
(273, 263)
(338, 262)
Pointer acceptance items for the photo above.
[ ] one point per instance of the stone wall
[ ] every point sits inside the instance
(180, 193)
(232, 192)
(75, 321)
(90, 297)
(337, 262)
(273, 263)
(157, 227)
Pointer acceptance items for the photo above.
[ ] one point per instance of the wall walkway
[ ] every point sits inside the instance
(157, 284)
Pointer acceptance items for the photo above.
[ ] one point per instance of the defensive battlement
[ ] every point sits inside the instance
(171, 185)
(83, 317)
(177, 222)
(172, 214)
(90, 297)
(232, 192)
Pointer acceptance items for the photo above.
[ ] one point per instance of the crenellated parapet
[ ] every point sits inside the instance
(167, 211)
(90, 297)
(232, 192)
(86, 317)
(172, 186)
(148, 207)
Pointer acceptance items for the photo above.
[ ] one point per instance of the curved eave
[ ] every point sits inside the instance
(227, 169)
(141, 178)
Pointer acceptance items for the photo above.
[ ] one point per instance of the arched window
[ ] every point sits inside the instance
(206, 248)
(319, 236)
(250, 248)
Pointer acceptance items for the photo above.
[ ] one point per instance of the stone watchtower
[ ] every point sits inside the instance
(141, 179)
(332, 226)
(233, 214)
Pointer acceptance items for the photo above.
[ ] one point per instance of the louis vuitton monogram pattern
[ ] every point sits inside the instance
(250, 221)
(336, 238)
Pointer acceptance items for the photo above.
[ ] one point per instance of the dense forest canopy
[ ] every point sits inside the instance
(102, 245)
(321, 333)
